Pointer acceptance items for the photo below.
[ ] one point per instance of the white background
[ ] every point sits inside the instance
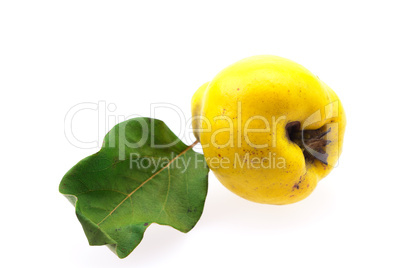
(57, 54)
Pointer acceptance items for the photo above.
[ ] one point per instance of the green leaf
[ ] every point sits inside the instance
(143, 174)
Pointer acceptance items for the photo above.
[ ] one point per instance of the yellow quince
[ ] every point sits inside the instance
(270, 129)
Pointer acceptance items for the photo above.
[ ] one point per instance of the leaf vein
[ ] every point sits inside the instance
(96, 190)
(167, 193)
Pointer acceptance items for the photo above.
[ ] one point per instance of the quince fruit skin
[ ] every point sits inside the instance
(270, 130)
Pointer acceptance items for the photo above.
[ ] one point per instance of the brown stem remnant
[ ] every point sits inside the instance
(312, 142)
